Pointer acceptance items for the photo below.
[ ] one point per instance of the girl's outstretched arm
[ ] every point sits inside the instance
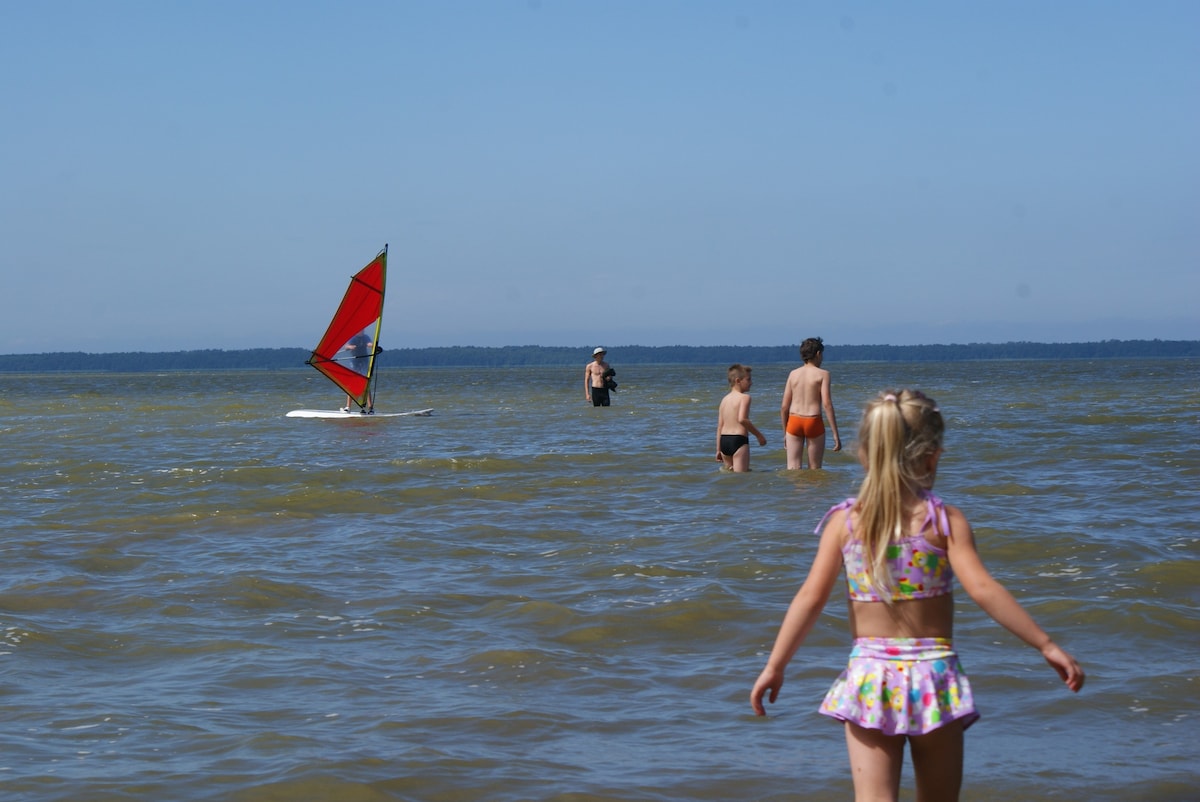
(996, 601)
(803, 612)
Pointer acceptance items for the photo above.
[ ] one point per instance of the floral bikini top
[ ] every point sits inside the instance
(920, 570)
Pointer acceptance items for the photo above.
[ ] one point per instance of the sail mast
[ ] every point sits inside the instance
(375, 340)
(375, 349)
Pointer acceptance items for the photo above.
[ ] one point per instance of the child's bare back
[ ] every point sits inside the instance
(804, 386)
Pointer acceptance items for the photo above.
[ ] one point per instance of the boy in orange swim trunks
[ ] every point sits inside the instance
(805, 395)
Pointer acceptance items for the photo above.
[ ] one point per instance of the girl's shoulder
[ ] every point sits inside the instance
(940, 503)
(838, 513)
(949, 518)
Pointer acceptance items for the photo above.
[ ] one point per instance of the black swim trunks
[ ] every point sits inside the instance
(730, 443)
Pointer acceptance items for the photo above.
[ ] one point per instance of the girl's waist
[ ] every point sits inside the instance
(911, 618)
(903, 648)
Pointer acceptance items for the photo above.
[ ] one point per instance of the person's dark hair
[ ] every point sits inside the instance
(810, 348)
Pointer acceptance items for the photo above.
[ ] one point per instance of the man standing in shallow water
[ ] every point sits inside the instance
(804, 396)
(595, 387)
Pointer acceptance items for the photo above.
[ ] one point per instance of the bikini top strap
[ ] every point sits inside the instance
(936, 510)
(845, 505)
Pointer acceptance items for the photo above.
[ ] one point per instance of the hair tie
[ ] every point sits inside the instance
(889, 397)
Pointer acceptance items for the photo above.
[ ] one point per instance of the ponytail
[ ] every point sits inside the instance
(899, 430)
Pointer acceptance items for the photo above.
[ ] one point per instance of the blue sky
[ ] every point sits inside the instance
(179, 175)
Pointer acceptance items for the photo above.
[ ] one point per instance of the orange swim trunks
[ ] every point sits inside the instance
(805, 425)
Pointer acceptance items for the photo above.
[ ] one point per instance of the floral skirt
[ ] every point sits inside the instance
(902, 686)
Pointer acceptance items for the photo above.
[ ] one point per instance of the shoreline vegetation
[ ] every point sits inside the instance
(554, 356)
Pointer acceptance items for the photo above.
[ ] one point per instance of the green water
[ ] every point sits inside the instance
(526, 598)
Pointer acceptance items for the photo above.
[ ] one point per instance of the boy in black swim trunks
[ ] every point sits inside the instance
(733, 422)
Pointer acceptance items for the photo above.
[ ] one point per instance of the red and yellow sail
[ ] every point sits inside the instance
(351, 365)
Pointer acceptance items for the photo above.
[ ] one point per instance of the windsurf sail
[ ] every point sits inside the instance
(347, 352)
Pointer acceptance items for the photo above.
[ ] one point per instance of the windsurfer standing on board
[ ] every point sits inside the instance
(360, 346)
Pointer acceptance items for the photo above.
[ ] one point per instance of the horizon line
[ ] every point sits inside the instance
(628, 345)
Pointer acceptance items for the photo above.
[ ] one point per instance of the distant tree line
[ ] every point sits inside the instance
(536, 355)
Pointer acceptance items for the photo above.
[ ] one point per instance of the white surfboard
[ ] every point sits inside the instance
(355, 414)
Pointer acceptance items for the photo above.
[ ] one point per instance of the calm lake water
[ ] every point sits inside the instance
(525, 598)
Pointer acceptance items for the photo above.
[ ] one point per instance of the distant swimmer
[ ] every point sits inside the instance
(806, 393)
(733, 422)
(598, 379)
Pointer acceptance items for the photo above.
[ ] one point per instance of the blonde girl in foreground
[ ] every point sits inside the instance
(901, 547)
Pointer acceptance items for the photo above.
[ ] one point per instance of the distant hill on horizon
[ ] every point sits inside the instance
(538, 355)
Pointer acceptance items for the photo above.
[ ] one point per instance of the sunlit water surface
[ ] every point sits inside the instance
(525, 598)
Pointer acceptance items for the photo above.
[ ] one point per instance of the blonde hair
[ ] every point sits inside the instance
(900, 430)
(737, 372)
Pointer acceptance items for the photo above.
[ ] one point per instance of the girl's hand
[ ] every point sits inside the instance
(769, 680)
(1070, 671)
